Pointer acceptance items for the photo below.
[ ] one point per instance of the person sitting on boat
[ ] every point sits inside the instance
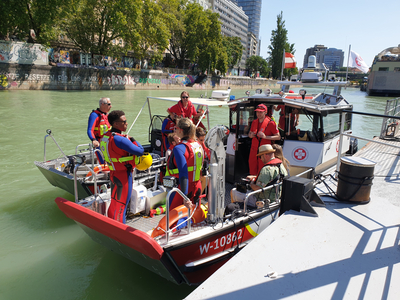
(121, 152)
(272, 171)
(201, 135)
(184, 107)
(168, 126)
(279, 154)
(263, 130)
(98, 123)
(185, 163)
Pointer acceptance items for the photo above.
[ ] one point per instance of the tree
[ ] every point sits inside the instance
(257, 64)
(278, 44)
(154, 32)
(233, 48)
(19, 17)
(195, 36)
(105, 27)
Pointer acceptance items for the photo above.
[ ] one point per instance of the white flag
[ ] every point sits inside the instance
(357, 62)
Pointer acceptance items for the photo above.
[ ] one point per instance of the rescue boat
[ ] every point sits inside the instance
(209, 237)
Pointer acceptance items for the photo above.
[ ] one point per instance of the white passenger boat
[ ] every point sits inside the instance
(384, 79)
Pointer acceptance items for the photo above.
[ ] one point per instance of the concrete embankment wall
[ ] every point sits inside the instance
(33, 77)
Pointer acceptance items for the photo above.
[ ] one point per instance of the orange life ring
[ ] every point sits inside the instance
(99, 168)
(178, 213)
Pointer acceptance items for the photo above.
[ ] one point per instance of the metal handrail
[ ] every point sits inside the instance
(342, 133)
(76, 183)
(167, 231)
(48, 131)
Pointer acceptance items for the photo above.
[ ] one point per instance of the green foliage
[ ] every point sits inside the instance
(195, 36)
(154, 32)
(105, 27)
(278, 44)
(233, 49)
(18, 17)
(257, 64)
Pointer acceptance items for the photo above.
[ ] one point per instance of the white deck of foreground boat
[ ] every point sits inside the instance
(348, 252)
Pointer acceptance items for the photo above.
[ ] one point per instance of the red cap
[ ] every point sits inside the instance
(261, 107)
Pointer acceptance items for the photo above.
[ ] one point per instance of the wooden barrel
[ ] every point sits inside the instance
(355, 179)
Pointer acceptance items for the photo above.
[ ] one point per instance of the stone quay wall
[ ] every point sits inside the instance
(37, 77)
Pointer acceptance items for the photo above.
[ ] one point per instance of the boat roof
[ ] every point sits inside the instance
(321, 83)
(197, 101)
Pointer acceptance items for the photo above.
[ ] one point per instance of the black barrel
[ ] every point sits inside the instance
(355, 179)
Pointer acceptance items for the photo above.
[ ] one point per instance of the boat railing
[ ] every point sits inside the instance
(276, 186)
(344, 133)
(48, 131)
(390, 126)
(76, 180)
(185, 198)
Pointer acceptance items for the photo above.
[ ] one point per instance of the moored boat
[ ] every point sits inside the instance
(191, 254)
(384, 78)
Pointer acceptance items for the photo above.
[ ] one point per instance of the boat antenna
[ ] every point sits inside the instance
(137, 116)
(283, 63)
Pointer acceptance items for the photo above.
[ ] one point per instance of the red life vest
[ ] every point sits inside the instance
(101, 125)
(256, 141)
(273, 162)
(187, 112)
(116, 157)
(194, 159)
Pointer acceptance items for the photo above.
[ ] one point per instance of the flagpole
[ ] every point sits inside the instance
(283, 63)
(348, 58)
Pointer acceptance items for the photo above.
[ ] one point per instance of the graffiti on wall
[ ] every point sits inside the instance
(23, 53)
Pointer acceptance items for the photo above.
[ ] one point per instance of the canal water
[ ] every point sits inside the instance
(45, 255)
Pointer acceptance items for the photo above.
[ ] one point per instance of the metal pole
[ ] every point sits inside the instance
(340, 140)
(347, 69)
(139, 115)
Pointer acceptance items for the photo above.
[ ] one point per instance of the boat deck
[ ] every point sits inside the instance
(147, 224)
(350, 251)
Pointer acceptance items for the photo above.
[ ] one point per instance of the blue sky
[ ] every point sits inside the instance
(369, 26)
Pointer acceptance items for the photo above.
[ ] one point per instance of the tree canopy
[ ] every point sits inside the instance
(234, 49)
(19, 17)
(279, 42)
(257, 64)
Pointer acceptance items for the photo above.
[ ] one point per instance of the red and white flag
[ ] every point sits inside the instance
(290, 61)
(356, 61)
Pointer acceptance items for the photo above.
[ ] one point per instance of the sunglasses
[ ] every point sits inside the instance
(124, 122)
(108, 104)
(185, 97)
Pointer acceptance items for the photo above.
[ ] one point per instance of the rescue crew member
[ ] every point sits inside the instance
(263, 130)
(168, 127)
(272, 171)
(121, 153)
(184, 107)
(185, 163)
(201, 136)
(98, 123)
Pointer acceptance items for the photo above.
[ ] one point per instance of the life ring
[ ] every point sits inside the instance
(178, 213)
(99, 168)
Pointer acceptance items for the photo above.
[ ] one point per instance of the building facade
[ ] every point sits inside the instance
(312, 51)
(252, 9)
(234, 22)
(333, 58)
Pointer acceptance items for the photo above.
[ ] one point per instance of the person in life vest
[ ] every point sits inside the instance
(201, 136)
(98, 123)
(121, 152)
(272, 171)
(263, 130)
(185, 163)
(168, 126)
(184, 107)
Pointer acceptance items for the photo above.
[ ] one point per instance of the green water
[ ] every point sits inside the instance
(45, 255)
